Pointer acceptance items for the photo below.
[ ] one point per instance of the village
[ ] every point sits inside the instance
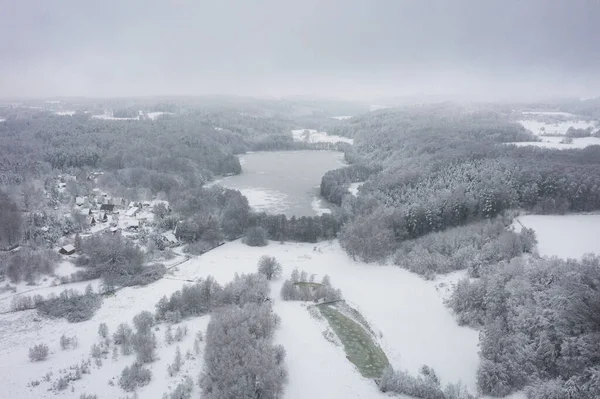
(100, 213)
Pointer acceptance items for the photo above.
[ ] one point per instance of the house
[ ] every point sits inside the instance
(114, 230)
(131, 212)
(134, 204)
(170, 239)
(67, 250)
(93, 221)
(79, 201)
(85, 211)
(107, 207)
(133, 225)
(146, 204)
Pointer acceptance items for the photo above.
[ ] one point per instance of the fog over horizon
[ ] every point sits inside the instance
(490, 50)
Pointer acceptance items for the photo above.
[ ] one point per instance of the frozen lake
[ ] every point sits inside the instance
(285, 181)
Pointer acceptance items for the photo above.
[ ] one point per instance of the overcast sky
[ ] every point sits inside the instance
(343, 48)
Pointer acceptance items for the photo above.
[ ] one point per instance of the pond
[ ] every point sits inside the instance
(285, 181)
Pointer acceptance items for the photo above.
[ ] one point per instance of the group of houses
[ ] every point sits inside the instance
(101, 208)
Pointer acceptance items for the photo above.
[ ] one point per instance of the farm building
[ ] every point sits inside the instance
(133, 225)
(170, 239)
(67, 250)
(131, 212)
(107, 207)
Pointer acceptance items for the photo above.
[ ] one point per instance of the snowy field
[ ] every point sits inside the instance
(341, 118)
(551, 113)
(318, 137)
(316, 367)
(112, 118)
(154, 115)
(378, 107)
(555, 143)
(19, 331)
(554, 128)
(319, 205)
(353, 188)
(405, 311)
(65, 113)
(409, 311)
(565, 236)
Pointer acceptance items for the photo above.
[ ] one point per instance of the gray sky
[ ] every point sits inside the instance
(345, 48)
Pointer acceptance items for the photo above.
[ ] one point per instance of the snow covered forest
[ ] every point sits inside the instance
(101, 210)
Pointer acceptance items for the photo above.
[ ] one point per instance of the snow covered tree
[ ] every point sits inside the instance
(270, 267)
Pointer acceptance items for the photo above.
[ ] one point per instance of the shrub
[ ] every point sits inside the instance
(182, 391)
(425, 386)
(133, 377)
(245, 288)
(192, 300)
(124, 336)
(169, 335)
(269, 266)
(103, 330)
(38, 352)
(298, 288)
(22, 302)
(28, 264)
(144, 345)
(242, 336)
(88, 396)
(68, 342)
(71, 305)
(180, 333)
(175, 367)
(256, 237)
(143, 322)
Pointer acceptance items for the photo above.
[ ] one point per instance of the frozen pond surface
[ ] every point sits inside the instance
(285, 181)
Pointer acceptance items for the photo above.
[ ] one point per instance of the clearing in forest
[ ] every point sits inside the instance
(358, 344)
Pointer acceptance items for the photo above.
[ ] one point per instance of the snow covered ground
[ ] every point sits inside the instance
(19, 331)
(65, 113)
(554, 128)
(316, 367)
(109, 116)
(318, 137)
(416, 327)
(565, 236)
(551, 113)
(341, 118)
(405, 311)
(155, 115)
(318, 204)
(353, 188)
(378, 107)
(555, 142)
